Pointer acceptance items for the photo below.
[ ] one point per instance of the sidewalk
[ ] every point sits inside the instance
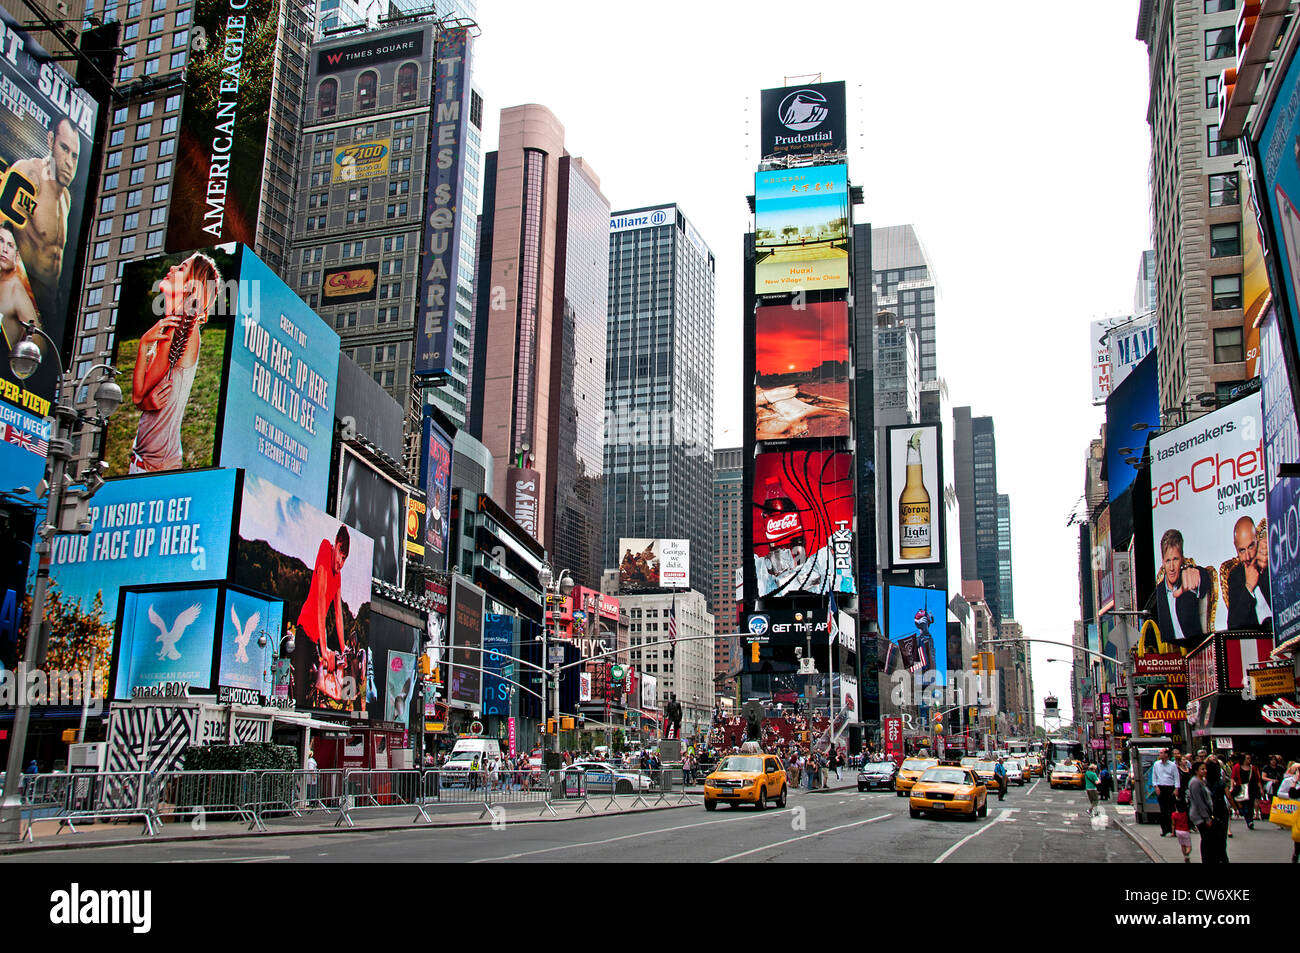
(1266, 844)
(47, 836)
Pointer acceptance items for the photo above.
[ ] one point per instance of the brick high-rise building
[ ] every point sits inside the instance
(728, 556)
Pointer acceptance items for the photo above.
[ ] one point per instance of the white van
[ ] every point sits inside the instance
(465, 754)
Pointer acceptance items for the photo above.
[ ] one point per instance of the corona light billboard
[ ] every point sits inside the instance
(915, 495)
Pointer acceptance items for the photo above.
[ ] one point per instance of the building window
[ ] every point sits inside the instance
(155, 239)
(367, 90)
(1220, 6)
(162, 170)
(128, 245)
(1224, 189)
(1220, 43)
(1229, 345)
(173, 102)
(140, 154)
(1211, 92)
(160, 192)
(407, 77)
(327, 99)
(177, 60)
(166, 147)
(117, 137)
(1226, 293)
(137, 176)
(1216, 146)
(1225, 240)
(182, 17)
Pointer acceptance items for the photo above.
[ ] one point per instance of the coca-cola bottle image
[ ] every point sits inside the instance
(783, 530)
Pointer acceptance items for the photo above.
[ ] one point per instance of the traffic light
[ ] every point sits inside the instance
(977, 662)
(566, 723)
(550, 726)
(425, 667)
(753, 653)
(938, 723)
(582, 721)
(988, 661)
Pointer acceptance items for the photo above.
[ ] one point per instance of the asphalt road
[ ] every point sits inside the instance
(1033, 825)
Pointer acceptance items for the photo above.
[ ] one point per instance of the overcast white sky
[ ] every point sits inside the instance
(1012, 136)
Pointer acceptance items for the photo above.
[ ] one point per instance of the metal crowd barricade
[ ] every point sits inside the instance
(196, 794)
(317, 790)
(272, 791)
(86, 797)
(380, 788)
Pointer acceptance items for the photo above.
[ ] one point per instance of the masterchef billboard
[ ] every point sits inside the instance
(1207, 519)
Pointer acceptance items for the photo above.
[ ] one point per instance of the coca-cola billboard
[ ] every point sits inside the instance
(803, 523)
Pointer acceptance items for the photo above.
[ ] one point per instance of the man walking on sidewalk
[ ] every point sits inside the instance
(1164, 777)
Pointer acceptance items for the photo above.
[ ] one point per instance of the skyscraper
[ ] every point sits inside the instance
(1197, 208)
(659, 386)
(538, 395)
(904, 284)
(729, 509)
(976, 483)
(1006, 599)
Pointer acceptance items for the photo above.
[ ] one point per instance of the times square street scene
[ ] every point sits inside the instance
(414, 448)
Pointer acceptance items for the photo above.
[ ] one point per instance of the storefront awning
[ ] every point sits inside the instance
(303, 720)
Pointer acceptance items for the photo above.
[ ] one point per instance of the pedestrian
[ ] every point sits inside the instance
(473, 774)
(1164, 776)
(1000, 775)
(32, 767)
(1221, 797)
(1090, 780)
(1103, 783)
(1183, 831)
(837, 760)
(1247, 783)
(1200, 811)
(1184, 766)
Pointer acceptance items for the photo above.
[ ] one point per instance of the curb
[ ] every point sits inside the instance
(299, 832)
(1146, 849)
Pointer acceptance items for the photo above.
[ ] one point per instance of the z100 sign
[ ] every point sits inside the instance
(803, 523)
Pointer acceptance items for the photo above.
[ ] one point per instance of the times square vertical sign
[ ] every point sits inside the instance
(443, 221)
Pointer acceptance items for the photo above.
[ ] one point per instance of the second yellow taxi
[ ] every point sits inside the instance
(949, 788)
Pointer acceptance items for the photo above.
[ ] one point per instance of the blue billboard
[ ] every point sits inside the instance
(167, 636)
(24, 440)
(1281, 445)
(916, 624)
(1135, 400)
(147, 530)
(245, 620)
(278, 421)
(498, 640)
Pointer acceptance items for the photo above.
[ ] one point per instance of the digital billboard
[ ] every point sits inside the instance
(804, 120)
(801, 370)
(498, 647)
(465, 682)
(174, 324)
(910, 613)
(915, 495)
(801, 229)
(48, 126)
(351, 284)
(278, 421)
(217, 187)
(147, 530)
(444, 218)
(18, 524)
(1118, 344)
(1281, 445)
(1208, 513)
(654, 564)
(437, 494)
(1135, 400)
(245, 619)
(374, 503)
(290, 550)
(415, 514)
(362, 160)
(392, 675)
(803, 510)
(166, 636)
(1103, 559)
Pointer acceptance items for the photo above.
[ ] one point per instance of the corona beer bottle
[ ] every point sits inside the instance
(914, 507)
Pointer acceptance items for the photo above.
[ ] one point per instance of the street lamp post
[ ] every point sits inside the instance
(24, 359)
(560, 587)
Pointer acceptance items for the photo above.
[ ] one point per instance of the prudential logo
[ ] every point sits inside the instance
(803, 109)
(77, 906)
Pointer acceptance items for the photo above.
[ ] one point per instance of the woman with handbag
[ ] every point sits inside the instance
(1247, 785)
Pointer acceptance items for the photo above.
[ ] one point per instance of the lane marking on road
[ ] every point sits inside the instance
(791, 840)
(250, 859)
(621, 837)
(1032, 786)
(1004, 815)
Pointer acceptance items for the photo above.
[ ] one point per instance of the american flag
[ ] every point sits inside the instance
(672, 627)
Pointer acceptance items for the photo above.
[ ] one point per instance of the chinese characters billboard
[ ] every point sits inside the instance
(801, 229)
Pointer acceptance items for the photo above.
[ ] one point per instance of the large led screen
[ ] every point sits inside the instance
(166, 636)
(47, 131)
(173, 327)
(801, 370)
(393, 676)
(801, 229)
(1208, 516)
(437, 493)
(803, 120)
(803, 523)
(915, 496)
(1281, 445)
(465, 678)
(916, 627)
(290, 550)
(245, 620)
(375, 504)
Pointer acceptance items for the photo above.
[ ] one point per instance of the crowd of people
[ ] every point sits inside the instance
(1205, 792)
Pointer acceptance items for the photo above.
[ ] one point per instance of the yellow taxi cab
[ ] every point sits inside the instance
(1067, 774)
(912, 769)
(986, 771)
(1035, 765)
(746, 779)
(949, 788)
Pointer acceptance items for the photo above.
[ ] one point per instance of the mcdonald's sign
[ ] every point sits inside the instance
(1167, 704)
